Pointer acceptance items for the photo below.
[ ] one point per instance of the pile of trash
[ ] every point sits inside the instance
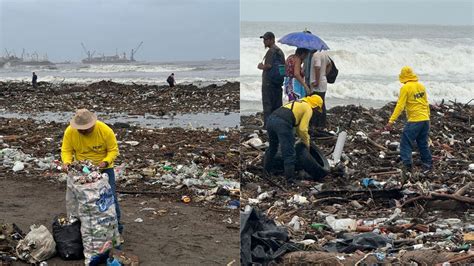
(90, 198)
(365, 196)
(110, 97)
(193, 162)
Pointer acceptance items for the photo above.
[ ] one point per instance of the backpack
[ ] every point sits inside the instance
(332, 75)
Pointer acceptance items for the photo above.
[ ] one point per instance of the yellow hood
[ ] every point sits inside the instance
(406, 74)
(315, 101)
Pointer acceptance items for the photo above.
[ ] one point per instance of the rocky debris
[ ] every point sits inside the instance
(367, 191)
(108, 96)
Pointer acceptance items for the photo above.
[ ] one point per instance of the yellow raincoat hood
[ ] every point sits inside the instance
(314, 101)
(406, 74)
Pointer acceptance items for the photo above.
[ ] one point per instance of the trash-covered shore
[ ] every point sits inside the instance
(150, 161)
(108, 96)
(365, 210)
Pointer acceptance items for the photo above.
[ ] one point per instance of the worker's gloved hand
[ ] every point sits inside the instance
(65, 167)
(103, 164)
(388, 127)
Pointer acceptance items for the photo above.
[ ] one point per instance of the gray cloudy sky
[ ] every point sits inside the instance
(441, 12)
(170, 29)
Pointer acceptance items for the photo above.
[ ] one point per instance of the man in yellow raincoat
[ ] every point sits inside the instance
(414, 100)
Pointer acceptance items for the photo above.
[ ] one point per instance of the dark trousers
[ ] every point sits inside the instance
(280, 132)
(416, 132)
(34, 84)
(271, 98)
(110, 172)
(318, 119)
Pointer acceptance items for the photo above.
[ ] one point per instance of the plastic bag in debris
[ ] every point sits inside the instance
(363, 242)
(38, 245)
(93, 204)
(261, 241)
(68, 238)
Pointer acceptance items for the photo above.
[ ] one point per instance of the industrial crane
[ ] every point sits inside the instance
(134, 51)
(88, 53)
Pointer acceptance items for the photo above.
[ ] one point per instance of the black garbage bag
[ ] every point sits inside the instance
(68, 239)
(363, 242)
(261, 241)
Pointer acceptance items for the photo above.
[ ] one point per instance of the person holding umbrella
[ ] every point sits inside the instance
(306, 39)
(272, 80)
(295, 85)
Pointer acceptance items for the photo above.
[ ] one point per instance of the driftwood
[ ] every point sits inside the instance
(458, 195)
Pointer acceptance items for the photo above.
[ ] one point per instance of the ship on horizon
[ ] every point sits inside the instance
(25, 59)
(109, 59)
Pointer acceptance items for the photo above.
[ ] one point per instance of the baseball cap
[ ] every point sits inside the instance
(268, 35)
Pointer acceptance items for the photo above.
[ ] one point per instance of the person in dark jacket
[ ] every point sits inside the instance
(171, 80)
(281, 122)
(272, 81)
(33, 81)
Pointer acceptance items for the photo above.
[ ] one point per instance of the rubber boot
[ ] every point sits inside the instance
(406, 173)
(267, 163)
(290, 173)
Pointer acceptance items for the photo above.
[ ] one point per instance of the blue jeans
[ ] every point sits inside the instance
(416, 132)
(280, 132)
(111, 173)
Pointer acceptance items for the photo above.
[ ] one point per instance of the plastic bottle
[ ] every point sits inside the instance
(341, 224)
(113, 262)
(222, 137)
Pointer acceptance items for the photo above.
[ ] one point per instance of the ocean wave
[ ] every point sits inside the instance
(129, 68)
(381, 56)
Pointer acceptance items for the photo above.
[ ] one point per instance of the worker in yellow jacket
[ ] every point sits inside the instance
(280, 131)
(86, 138)
(414, 100)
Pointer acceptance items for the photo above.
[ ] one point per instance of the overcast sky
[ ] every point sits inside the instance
(438, 12)
(170, 29)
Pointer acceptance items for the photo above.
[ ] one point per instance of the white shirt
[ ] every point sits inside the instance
(320, 59)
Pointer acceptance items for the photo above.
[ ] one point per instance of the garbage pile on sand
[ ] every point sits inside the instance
(120, 98)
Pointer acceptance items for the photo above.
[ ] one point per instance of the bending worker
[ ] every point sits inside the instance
(414, 100)
(86, 138)
(280, 131)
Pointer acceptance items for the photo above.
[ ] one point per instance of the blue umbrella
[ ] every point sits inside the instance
(304, 39)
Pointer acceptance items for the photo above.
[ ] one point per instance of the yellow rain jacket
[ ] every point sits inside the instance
(98, 146)
(412, 98)
(303, 112)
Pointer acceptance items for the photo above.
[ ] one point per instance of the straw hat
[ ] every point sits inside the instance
(83, 119)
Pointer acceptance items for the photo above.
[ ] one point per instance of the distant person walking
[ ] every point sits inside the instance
(34, 80)
(295, 85)
(414, 100)
(272, 81)
(320, 66)
(171, 80)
